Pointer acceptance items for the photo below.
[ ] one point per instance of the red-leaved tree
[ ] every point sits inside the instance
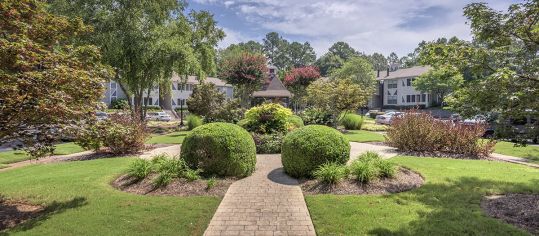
(246, 71)
(298, 79)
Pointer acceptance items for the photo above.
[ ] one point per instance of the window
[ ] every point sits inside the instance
(148, 101)
(418, 98)
(391, 84)
(392, 99)
(408, 99)
(408, 82)
(423, 98)
(181, 102)
(413, 98)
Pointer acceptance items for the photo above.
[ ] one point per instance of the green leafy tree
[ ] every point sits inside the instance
(47, 80)
(328, 62)
(378, 61)
(301, 55)
(393, 59)
(358, 70)
(146, 41)
(205, 100)
(343, 50)
(440, 81)
(337, 97)
(275, 49)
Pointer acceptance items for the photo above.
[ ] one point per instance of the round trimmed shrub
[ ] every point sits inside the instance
(307, 148)
(222, 149)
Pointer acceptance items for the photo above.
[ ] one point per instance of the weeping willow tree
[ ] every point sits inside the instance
(147, 41)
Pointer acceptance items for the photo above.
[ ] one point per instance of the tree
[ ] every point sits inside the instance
(500, 67)
(301, 55)
(358, 70)
(378, 61)
(205, 100)
(275, 49)
(393, 59)
(337, 97)
(298, 79)
(47, 79)
(247, 72)
(146, 42)
(440, 81)
(343, 50)
(328, 62)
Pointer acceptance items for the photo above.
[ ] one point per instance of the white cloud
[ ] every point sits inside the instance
(232, 37)
(367, 25)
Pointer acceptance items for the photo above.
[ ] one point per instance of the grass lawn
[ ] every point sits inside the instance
(80, 201)
(16, 156)
(170, 138)
(530, 152)
(364, 136)
(447, 204)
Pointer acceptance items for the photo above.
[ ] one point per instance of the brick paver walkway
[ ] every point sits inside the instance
(265, 203)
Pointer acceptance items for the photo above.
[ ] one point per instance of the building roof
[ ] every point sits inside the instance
(193, 80)
(403, 73)
(274, 89)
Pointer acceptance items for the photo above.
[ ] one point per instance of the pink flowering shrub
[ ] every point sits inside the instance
(302, 76)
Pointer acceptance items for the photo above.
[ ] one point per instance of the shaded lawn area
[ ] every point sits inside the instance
(447, 204)
(170, 138)
(18, 155)
(364, 136)
(530, 152)
(80, 201)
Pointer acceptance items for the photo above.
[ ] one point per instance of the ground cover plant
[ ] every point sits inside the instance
(221, 149)
(447, 203)
(8, 157)
(307, 148)
(77, 194)
(421, 133)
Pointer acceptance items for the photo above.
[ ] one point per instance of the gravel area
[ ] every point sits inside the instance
(178, 187)
(520, 210)
(404, 180)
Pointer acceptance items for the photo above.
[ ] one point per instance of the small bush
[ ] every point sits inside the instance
(191, 175)
(387, 169)
(193, 121)
(140, 168)
(307, 148)
(294, 122)
(267, 119)
(222, 149)
(420, 132)
(351, 121)
(268, 143)
(364, 171)
(120, 104)
(313, 116)
(330, 173)
(168, 168)
(90, 138)
(210, 183)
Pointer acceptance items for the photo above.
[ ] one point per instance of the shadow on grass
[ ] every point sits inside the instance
(50, 210)
(456, 208)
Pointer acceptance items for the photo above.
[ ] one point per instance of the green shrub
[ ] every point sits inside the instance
(267, 119)
(168, 169)
(220, 148)
(191, 175)
(140, 168)
(387, 169)
(330, 173)
(313, 116)
(268, 143)
(193, 121)
(305, 149)
(294, 122)
(364, 171)
(351, 121)
(210, 183)
(120, 104)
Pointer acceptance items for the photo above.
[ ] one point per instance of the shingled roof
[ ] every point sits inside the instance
(404, 73)
(274, 89)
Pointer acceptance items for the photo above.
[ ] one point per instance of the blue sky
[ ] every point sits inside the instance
(369, 26)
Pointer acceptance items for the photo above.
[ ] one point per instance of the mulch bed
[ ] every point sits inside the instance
(520, 210)
(178, 187)
(13, 213)
(404, 180)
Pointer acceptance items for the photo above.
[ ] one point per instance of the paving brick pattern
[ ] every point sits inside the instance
(265, 203)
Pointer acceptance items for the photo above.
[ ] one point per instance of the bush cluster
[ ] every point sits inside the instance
(370, 166)
(307, 148)
(193, 121)
(120, 104)
(294, 122)
(267, 119)
(420, 132)
(221, 149)
(331, 173)
(313, 116)
(167, 169)
(268, 143)
(351, 121)
(121, 134)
